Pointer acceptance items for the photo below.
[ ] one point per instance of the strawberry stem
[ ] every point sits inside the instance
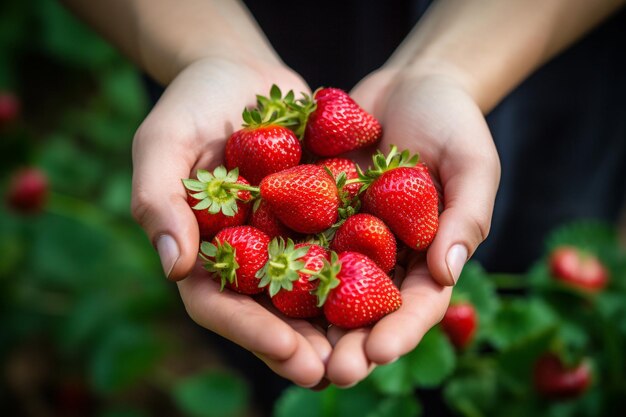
(221, 265)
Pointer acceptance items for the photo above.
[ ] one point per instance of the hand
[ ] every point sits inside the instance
(434, 116)
(187, 130)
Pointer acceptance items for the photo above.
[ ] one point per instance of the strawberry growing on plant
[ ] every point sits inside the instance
(368, 235)
(354, 291)
(235, 255)
(9, 108)
(402, 194)
(305, 198)
(287, 276)
(578, 268)
(460, 323)
(337, 124)
(27, 191)
(218, 199)
(555, 380)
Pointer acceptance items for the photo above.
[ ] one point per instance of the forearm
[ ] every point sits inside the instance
(164, 36)
(493, 45)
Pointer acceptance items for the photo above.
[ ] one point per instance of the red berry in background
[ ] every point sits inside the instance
(368, 235)
(554, 380)
(404, 196)
(27, 191)
(338, 165)
(217, 201)
(460, 323)
(305, 198)
(235, 256)
(287, 276)
(355, 292)
(338, 124)
(9, 108)
(578, 268)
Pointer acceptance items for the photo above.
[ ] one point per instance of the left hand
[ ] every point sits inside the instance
(431, 114)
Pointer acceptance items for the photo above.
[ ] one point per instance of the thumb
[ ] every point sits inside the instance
(159, 200)
(469, 195)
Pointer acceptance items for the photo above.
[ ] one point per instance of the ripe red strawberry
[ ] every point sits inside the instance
(27, 191)
(305, 198)
(368, 235)
(338, 165)
(460, 323)
(260, 150)
(9, 108)
(263, 219)
(552, 379)
(338, 124)
(287, 276)
(269, 142)
(355, 292)
(235, 255)
(403, 196)
(577, 268)
(218, 199)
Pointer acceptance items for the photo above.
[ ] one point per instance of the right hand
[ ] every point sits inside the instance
(186, 130)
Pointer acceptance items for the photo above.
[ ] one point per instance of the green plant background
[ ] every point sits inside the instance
(91, 327)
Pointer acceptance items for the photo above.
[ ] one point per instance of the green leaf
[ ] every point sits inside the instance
(212, 394)
(474, 394)
(521, 319)
(433, 360)
(301, 402)
(404, 406)
(126, 354)
(394, 378)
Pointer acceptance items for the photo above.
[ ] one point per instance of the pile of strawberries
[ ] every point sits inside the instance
(289, 216)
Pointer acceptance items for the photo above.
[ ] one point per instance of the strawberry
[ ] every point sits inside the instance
(27, 191)
(218, 199)
(267, 143)
(338, 124)
(355, 292)
(579, 269)
(287, 276)
(338, 165)
(235, 255)
(460, 323)
(263, 219)
(9, 108)
(553, 379)
(368, 235)
(403, 196)
(305, 198)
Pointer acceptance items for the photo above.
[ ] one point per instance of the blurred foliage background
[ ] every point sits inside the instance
(91, 328)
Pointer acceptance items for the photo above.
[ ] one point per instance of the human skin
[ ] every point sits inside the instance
(459, 61)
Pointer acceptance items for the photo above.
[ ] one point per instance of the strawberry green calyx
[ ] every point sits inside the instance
(283, 266)
(220, 259)
(382, 164)
(285, 111)
(217, 191)
(327, 277)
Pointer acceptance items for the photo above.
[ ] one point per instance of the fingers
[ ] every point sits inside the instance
(161, 158)
(293, 354)
(424, 302)
(469, 184)
(348, 363)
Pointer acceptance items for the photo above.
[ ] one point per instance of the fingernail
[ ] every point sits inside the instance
(168, 252)
(455, 260)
